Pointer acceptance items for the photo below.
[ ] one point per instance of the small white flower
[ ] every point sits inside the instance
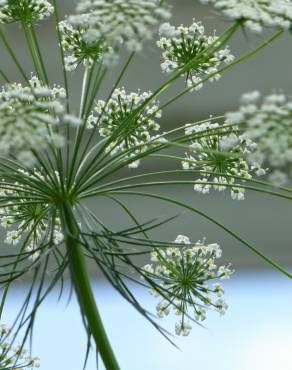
(163, 309)
(183, 328)
(220, 153)
(12, 237)
(26, 112)
(268, 123)
(29, 222)
(127, 22)
(24, 10)
(72, 120)
(118, 117)
(184, 45)
(15, 356)
(221, 306)
(200, 314)
(256, 14)
(182, 239)
(218, 289)
(182, 276)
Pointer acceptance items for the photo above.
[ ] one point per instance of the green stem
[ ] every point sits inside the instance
(12, 55)
(38, 65)
(83, 289)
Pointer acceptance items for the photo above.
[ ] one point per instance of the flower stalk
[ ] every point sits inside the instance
(83, 288)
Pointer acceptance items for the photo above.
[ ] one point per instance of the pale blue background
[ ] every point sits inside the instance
(255, 334)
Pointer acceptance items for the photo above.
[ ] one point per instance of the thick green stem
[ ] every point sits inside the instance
(84, 291)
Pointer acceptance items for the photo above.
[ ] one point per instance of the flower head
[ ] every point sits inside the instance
(268, 121)
(119, 117)
(128, 22)
(220, 152)
(188, 49)
(256, 14)
(24, 10)
(186, 277)
(84, 41)
(26, 112)
(14, 358)
(27, 219)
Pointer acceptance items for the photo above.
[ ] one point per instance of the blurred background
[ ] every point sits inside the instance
(256, 332)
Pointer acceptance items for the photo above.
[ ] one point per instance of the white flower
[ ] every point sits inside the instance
(26, 112)
(220, 152)
(14, 357)
(118, 117)
(72, 120)
(221, 306)
(12, 237)
(182, 239)
(183, 328)
(200, 314)
(83, 39)
(163, 309)
(24, 10)
(256, 14)
(26, 220)
(188, 49)
(4, 330)
(268, 122)
(128, 22)
(278, 178)
(218, 289)
(181, 276)
(224, 272)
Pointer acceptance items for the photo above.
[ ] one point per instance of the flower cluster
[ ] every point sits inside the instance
(28, 115)
(269, 123)
(14, 358)
(186, 277)
(26, 218)
(128, 22)
(83, 39)
(24, 10)
(191, 51)
(219, 152)
(256, 14)
(129, 118)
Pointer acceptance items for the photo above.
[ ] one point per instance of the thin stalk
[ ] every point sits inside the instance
(12, 55)
(83, 289)
(57, 19)
(34, 53)
(39, 54)
(84, 90)
(3, 75)
(212, 220)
